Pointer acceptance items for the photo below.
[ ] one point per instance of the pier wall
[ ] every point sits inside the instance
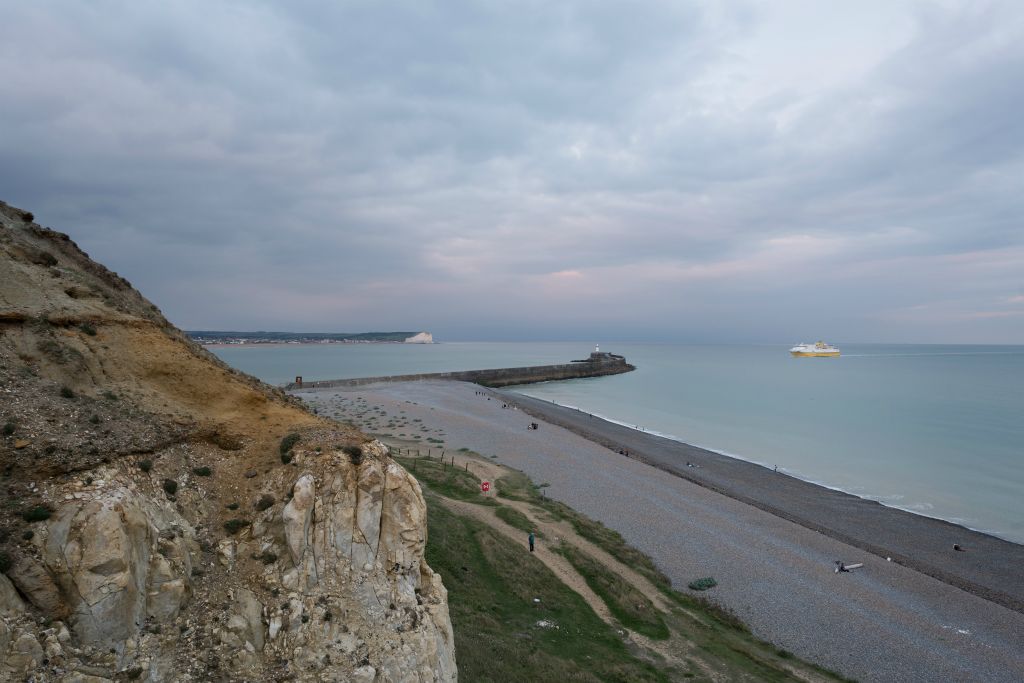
(599, 364)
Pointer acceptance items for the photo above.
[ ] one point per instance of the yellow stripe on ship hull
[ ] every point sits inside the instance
(815, 354)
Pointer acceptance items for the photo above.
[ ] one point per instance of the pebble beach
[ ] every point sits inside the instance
(769, 541)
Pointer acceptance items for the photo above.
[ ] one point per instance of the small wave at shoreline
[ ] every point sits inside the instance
(884, 500)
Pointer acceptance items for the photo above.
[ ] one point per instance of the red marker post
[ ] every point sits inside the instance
(485, 486)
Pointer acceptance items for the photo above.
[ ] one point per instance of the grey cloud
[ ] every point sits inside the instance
(369, 165)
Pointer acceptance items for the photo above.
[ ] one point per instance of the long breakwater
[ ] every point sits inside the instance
(597, 365)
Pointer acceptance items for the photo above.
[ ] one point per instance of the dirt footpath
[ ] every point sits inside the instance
(676, 651)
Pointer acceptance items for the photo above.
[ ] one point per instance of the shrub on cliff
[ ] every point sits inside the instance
(233, 526)
(354, 453)
(287, 444)
(38, 513)
(170, 487)
(44, 258)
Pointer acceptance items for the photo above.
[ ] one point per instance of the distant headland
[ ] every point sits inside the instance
(208, 337)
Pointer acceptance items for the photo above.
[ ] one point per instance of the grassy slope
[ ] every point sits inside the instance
(492, 584)
(501, 634)
(630, 606)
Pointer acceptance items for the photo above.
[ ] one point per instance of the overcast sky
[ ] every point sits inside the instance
(746, 171)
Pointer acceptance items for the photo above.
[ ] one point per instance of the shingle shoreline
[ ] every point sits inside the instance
(882, 622)
(989, 567)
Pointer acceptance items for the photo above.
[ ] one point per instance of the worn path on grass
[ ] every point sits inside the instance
(555, 562)
(674, 651)
(884, 622)
(554, 530)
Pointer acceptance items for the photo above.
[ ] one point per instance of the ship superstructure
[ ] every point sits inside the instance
(817, 350)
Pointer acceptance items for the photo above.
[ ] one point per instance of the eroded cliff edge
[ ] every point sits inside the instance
(154, 527)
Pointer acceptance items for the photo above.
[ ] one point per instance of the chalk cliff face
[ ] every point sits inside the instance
(158, 530)
(420, 338)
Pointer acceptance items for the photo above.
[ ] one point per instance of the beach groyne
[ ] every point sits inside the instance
(597, 365)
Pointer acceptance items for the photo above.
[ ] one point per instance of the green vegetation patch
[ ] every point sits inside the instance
(287, 444)
(515, 518)
(501, 634)
(233, 526)
(202, 471)
(627, 604)
(37, 513)
(354, 453)
(517, 486)
(448, 480)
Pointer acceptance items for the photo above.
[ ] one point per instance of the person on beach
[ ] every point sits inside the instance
(531, 538)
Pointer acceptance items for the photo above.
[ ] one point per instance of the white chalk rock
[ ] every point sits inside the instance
(100, 565)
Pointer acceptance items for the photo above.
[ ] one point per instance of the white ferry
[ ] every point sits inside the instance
(820, 349)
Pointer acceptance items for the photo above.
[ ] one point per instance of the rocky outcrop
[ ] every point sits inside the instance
(332, 585)
(355, 535)
(162, 531)
(115, 560)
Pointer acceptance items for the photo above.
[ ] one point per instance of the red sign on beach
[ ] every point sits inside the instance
(485, 486)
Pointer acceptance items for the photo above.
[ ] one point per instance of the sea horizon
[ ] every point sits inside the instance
(894, 423)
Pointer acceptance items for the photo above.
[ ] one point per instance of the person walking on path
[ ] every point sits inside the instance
(532, 537)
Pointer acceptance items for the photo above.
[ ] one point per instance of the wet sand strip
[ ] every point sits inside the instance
(987, 567)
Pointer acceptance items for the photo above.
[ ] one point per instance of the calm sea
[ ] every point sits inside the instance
(937, 430)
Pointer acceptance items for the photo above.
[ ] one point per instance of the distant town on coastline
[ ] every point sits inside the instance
(213, 337)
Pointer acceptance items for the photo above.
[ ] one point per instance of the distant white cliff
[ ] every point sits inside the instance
(421, 338)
